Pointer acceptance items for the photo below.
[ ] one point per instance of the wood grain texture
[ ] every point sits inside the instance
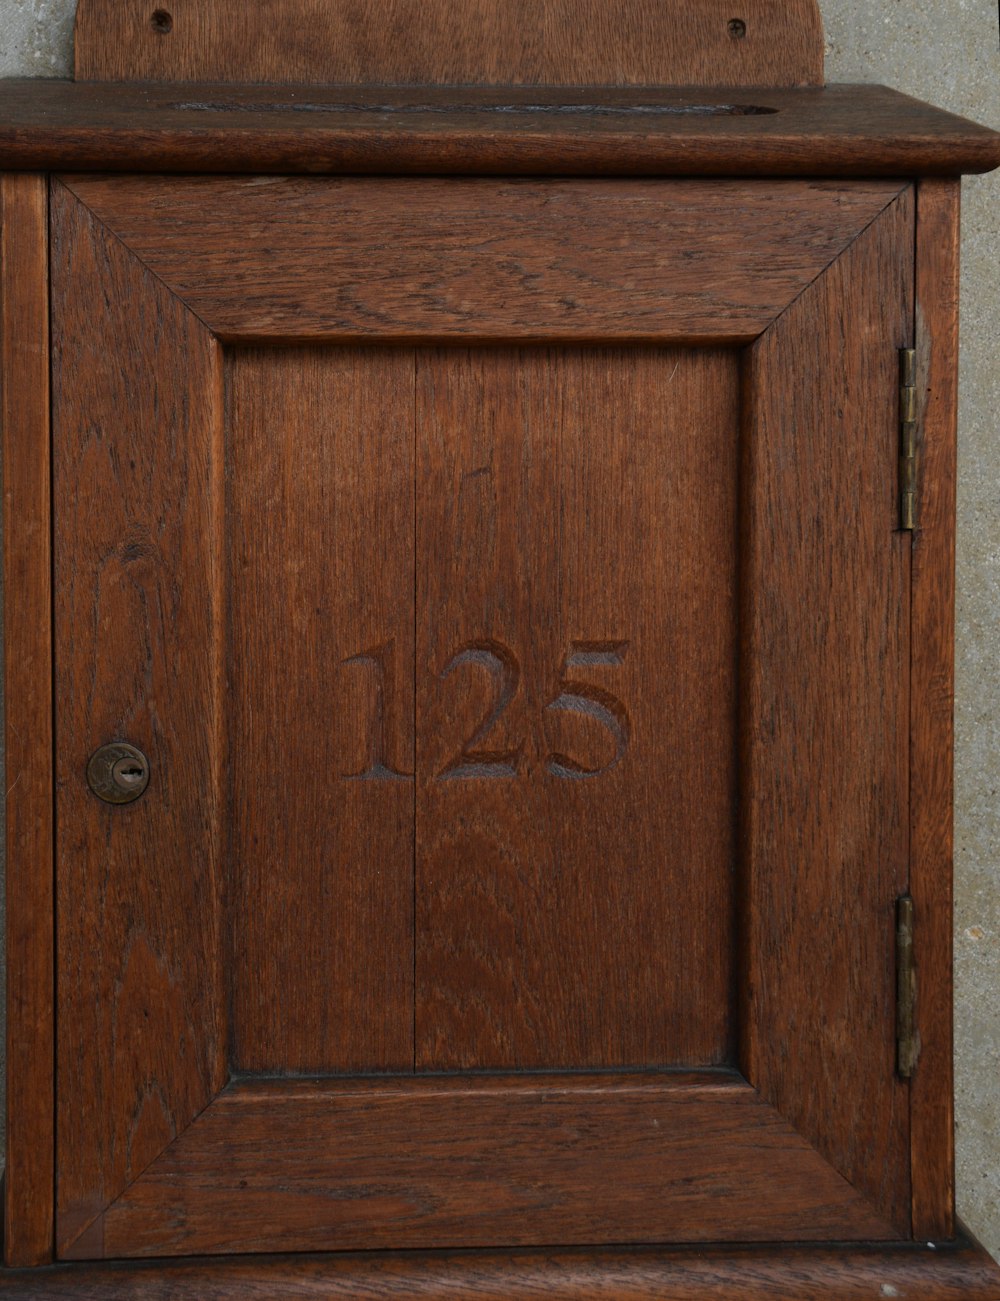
(576, 559)
(466, 42)
(301, 1166)
(320, 534)
(27, 625)
(298, 259)
(960, 1271)
(932, 705)
(137, 389)
(854, 131)
(826, 711)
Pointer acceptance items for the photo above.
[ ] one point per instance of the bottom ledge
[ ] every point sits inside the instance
(915, 1272)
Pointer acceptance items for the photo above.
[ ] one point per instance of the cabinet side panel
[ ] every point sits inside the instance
(24, 422)
(138, 658)
(932, 708)
(826, 711)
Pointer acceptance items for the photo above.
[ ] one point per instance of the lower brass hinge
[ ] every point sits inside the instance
(907, 1036)
(907, 438)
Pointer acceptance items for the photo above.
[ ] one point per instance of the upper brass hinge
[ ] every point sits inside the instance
(907, 438)
(907, 1036)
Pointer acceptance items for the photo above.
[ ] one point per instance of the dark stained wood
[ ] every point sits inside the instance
(942, 1272)
(826, 711)
(297, 259)
(244, 477)
(295, 1166)
(577, 555)
(137, 474)
(845, 131)
(932, 705)
(468, 42)
(271, 574)
(559, 923)
(27, 624)
(320, 537)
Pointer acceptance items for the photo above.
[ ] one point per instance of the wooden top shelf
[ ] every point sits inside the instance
(833, 131)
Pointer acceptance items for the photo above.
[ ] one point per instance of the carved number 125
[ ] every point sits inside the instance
(476, 758)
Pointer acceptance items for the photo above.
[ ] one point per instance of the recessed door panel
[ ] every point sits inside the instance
(576, 577)
(319, 458)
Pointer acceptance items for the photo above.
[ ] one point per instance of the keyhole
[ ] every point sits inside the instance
(118, 773)
(127, 775)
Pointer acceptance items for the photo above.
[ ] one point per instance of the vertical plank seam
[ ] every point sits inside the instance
(740, 1002)
(911, 702)
(222, 810)
(416, 768)
(50, 363)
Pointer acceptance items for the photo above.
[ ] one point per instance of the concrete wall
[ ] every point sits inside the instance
(946, 51)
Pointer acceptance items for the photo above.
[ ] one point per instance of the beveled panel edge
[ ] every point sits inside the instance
(81, 1219)
(751, 1057)
(168, 1210)
(393, 273)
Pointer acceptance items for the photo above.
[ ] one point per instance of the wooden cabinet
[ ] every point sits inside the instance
(537, 681)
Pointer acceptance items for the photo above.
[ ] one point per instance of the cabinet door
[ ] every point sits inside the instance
(502, 580)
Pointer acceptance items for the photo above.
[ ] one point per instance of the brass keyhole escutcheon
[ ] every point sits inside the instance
(118, 773)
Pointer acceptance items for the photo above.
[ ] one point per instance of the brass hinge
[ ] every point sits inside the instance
(907, 1036)
(907, 438)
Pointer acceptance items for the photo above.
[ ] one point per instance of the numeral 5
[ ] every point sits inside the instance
(594, 702)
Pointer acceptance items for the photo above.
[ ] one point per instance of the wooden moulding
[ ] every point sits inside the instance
(582, 272)
(24, 421)
(957, 1272)
(465, 42)
(854, 131)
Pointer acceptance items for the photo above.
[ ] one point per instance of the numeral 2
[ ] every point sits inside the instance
(503, 668)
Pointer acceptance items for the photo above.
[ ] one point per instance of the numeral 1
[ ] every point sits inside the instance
(381, 659)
